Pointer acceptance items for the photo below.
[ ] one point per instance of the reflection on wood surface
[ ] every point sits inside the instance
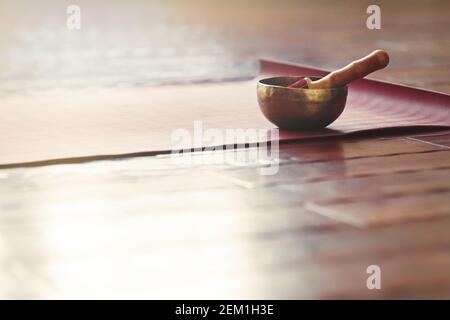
(148, 228)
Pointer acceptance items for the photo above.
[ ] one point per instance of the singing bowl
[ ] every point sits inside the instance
(297, 108)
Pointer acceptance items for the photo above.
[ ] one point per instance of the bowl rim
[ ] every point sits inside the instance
(260, 83)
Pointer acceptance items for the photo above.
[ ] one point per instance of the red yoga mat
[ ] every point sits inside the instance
(62, 126)
(373, 105)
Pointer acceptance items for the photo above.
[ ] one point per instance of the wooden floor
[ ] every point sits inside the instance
(150, 227)
(153, 228)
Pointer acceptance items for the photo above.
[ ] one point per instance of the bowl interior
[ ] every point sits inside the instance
(283, 81)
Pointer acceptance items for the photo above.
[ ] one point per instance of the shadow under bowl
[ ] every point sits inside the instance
(299, 109)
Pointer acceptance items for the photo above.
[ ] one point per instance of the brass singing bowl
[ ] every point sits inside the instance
(297, 108)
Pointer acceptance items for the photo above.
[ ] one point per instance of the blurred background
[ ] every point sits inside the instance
(137, 42)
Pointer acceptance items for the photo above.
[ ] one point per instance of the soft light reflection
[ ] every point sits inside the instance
(103, 240)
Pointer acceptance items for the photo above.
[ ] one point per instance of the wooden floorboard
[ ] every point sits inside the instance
(309, 231)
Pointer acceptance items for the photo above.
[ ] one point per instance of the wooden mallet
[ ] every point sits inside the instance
(358, 69)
